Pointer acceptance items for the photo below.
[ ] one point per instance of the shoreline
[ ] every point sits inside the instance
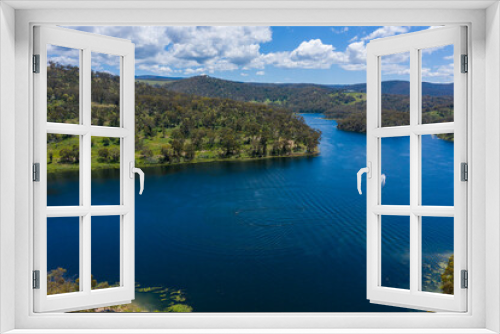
(163, 164)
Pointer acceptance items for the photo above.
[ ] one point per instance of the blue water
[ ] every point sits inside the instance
(275, 235)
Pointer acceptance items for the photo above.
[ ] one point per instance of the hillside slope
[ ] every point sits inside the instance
(172, 127)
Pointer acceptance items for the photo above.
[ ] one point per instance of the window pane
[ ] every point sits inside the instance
(437, 169)
(395, 85)
(395, 171)
(105, 171)
(63, 255)
(437, 84)
(63, 84)
(105, 89)
(63, 164)
(105, 250)
(395, 252)
(437, 254)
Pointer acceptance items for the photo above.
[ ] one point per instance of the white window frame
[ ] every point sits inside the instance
(85, 43)
(414, 43)
(483, 50)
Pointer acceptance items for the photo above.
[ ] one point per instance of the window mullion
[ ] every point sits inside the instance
(414, 171)
(85, 181)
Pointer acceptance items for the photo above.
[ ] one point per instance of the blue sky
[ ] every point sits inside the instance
(323, 55)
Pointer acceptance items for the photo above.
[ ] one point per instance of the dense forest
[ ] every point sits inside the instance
(299, 98)
(172, 127)
(395, 112)
(344, 103)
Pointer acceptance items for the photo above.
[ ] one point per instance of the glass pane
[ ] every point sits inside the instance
(105, 89)
(437, 254)
(395, 89)
(63, 164)
(437, 169)
(395, 252)
(63, 255)
(105, 171)
(437, 84)
(105, 250)
(395, 171)
(63, 84)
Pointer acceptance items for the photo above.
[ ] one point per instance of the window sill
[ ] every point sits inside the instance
(251, 331)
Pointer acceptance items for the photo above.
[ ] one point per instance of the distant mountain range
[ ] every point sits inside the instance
(248, 91)
(403, 88)
(156, 78)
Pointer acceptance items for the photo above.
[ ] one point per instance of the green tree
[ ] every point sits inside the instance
(65, 155)
(114, 154)
(103, 154)
(447, 277)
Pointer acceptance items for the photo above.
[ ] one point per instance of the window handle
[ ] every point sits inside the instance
(368, 171)
(139, 171)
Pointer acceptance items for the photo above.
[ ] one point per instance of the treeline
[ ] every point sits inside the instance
(346, 104)
(299, 98)
(175, 127)
(395, 112)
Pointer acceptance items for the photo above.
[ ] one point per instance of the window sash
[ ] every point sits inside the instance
(414, 298)
(86, 297)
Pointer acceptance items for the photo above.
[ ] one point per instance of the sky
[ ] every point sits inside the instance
(296, 54)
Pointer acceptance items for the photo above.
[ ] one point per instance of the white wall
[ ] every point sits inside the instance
(7, 162)
(492, 165)
(478, 123)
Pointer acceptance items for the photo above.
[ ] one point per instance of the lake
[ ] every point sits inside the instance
(273, 235)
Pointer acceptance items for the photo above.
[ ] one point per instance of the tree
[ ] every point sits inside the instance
(65, 155)
(313, 140)
(103, 154)
(147, 153)
(190, 151)
(229, 143)
(166, 153)
(447, 277)
(177, 146)
(114, 153)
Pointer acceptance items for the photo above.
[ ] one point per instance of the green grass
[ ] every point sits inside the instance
(155, 82)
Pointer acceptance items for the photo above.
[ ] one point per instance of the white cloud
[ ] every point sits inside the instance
(443, 73)
(386, 32)
(312, 54)
(156, 68)
(244, 74)
(63, 56)
(431, 50)
(355, 57)
(213, 48)
(355, 53)
(340, 30)
(196, 50)
(196, 71)
(395, 69)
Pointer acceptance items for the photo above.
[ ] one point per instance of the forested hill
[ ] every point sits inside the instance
(345, 103)
(173, 127)
(403, 88)
(301, 98)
